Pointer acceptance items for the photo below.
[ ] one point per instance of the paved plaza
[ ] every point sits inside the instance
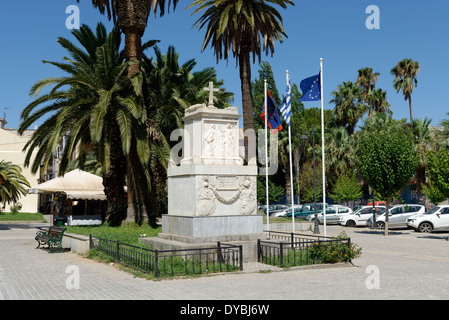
(404, 265)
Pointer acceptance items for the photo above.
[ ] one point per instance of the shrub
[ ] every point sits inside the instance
(336, 251)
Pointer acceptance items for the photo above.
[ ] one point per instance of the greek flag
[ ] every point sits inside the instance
(286, 106)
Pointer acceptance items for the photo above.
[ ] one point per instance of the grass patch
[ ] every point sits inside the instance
(128, 233)
(21, 216)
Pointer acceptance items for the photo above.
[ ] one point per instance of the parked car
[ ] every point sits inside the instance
(360, 216)
(333, 214)
(398, 215)
(274, 208)
(307, 209)
(435, 219)
(288, 209)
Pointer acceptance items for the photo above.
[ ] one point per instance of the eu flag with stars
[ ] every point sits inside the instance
(311, 88)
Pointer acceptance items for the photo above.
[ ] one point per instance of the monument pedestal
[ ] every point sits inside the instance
(212, 196)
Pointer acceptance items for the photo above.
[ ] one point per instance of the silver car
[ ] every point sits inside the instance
(398, 215)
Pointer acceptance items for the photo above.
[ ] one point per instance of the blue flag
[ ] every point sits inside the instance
(311, 88)
(286, 106)
(274, 122)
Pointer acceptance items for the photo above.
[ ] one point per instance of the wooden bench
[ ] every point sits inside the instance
(52, 238)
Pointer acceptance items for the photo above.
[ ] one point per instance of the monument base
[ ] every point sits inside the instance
(212, 226)
(182, 232)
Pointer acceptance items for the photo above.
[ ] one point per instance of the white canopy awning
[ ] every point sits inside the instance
(76, 184)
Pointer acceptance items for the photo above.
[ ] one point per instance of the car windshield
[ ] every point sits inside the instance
(433, 210)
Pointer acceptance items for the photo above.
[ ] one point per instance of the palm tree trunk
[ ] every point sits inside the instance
(410, 106)
(114, 180)
(247, 99)
(133, 48)
(133, 52)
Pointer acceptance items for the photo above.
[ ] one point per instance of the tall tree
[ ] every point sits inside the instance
(90, 108)
(366, 79)
(239, 24)
(405, 73)
(12, 183)
(131, 17)
(438, 172)
(444, 133)
(348, 105)
(423, 136)
(386, 157)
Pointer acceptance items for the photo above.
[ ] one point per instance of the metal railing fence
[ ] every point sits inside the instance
(287, 249)
(220, 258)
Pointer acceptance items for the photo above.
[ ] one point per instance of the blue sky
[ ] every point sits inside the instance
(328, 29)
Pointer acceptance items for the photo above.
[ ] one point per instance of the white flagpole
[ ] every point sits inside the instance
(291, 163)
(266, 153)
(322, 145)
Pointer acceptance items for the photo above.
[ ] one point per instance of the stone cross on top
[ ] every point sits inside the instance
(211, 90)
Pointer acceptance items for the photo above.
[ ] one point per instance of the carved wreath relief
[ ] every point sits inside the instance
(226, 190)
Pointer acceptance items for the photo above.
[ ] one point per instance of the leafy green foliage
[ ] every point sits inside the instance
(346, 189)
(438, 173)
(385, 156)
(336, 251)
(12, 183)
(274, 191)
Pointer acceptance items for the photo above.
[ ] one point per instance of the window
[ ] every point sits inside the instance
(445, 211)
(396, 210)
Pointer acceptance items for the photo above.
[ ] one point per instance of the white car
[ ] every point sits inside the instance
(360, 216)
(398, 215)
(333, 214)
(435, 219)
(288, 209)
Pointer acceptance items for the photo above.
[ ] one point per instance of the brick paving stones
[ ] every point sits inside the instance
(410, 266)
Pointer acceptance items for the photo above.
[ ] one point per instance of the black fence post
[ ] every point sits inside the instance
(258, 250)
(156, 266)
(281, 255)
(117, 252)
(219, 253)
(241, 257)
(349, 248)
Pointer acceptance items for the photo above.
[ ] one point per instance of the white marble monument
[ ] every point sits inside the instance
(212, 195)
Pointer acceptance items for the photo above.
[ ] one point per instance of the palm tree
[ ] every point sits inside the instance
(444, 133)
(405, 73)
(12, 183)
(423, 133)
(131, 17)
(91, 107)
(377, 102)
(348, 105)
(366, 79)
(340, 153)
(240, 24)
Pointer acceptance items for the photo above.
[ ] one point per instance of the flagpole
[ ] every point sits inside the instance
(322, 145)
(291, 163)
(266, 153)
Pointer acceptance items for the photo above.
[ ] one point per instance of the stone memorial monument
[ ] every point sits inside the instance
(212, 195)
